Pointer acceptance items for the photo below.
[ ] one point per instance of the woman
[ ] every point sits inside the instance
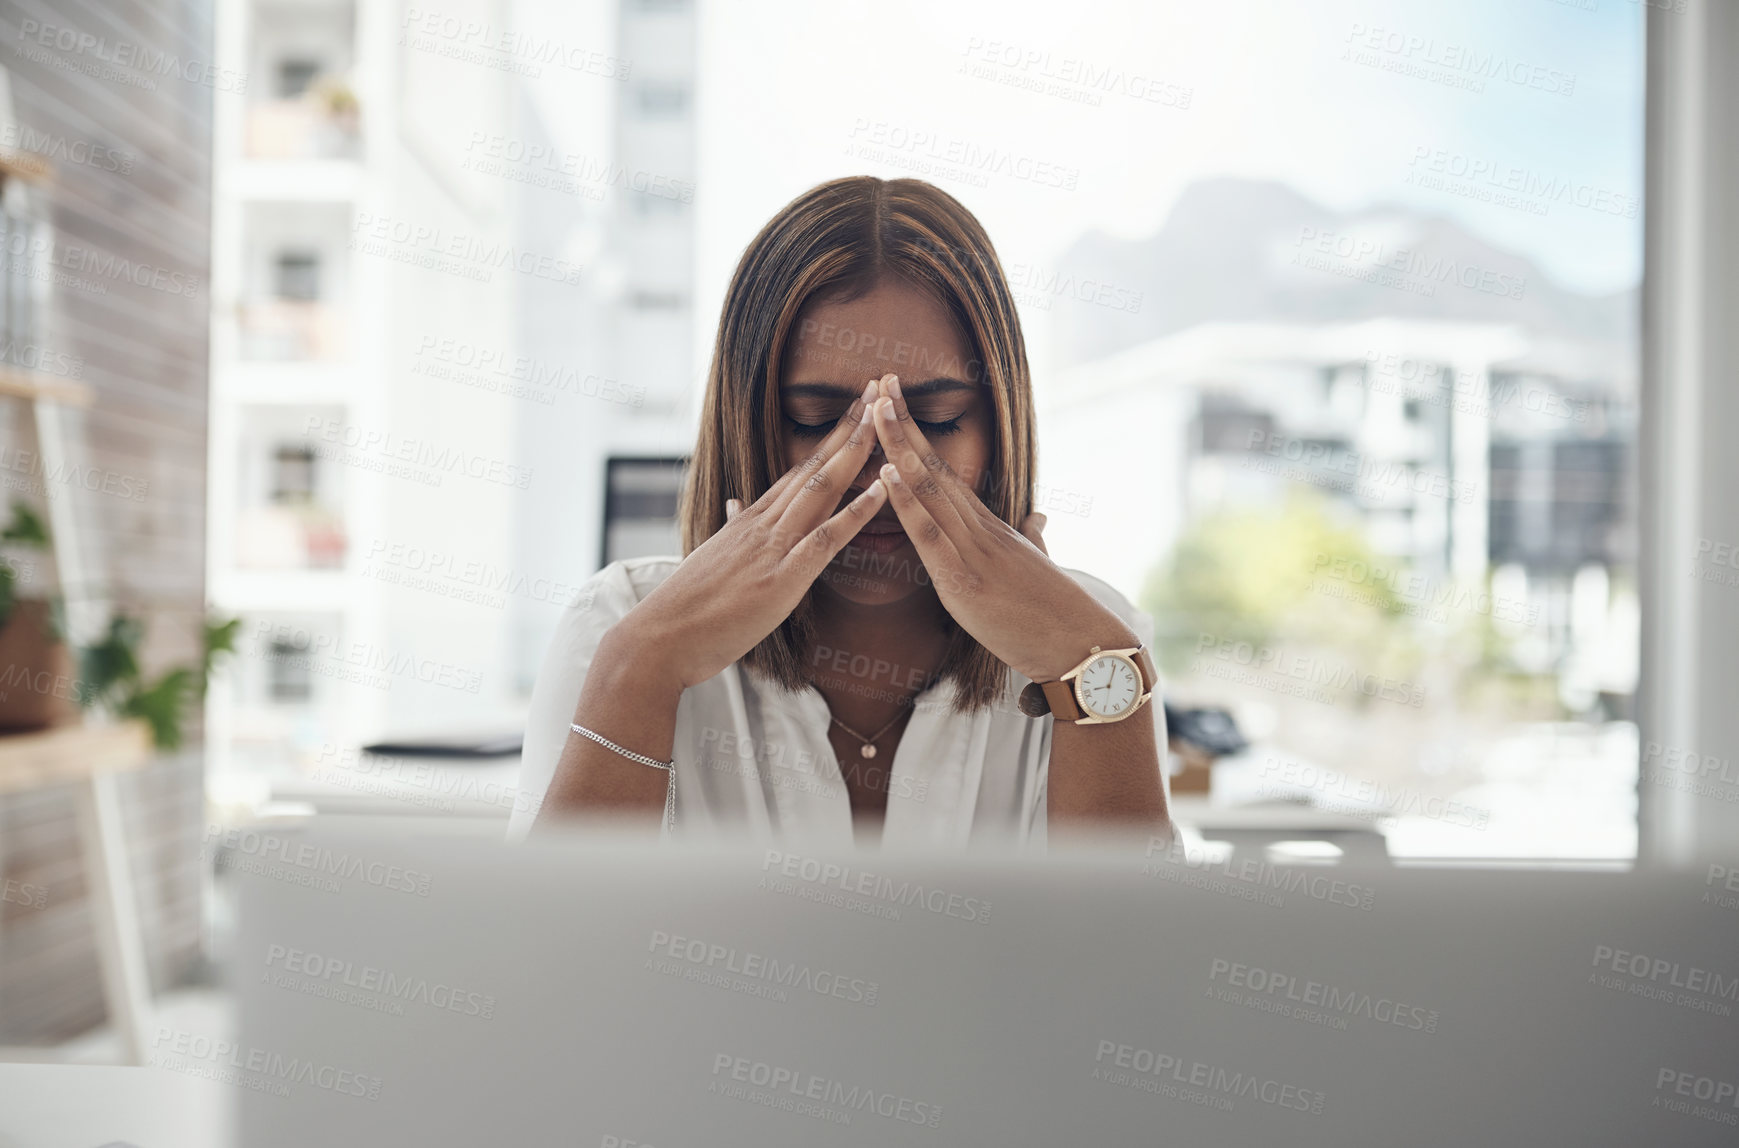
(843, 652)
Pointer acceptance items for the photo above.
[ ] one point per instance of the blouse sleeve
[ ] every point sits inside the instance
(1141, 622)
(600, 603)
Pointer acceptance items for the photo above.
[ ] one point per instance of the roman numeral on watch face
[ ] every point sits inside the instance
(1109, 686)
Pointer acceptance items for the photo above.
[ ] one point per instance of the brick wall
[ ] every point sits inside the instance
(99, 91)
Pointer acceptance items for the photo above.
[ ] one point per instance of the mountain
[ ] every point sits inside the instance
(1236, 249)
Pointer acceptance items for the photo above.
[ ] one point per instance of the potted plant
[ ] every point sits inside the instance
(110, 677)
(37, 687)
(340, 116)
(338, 101)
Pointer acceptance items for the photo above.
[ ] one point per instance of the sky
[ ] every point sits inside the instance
(1349, 101)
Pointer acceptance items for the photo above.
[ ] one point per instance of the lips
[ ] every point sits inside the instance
(884, 523)
(882, 534)
(883, 542)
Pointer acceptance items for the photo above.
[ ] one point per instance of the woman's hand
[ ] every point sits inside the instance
(997, 582)
(733, 589)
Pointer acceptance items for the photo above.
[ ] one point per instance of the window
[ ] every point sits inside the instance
(657, 300)
(1225, 423)
(661, 99)
(297, 276)
(293, 473)
(640, 507)
(646, 203)
(295, 76)
(289, 679)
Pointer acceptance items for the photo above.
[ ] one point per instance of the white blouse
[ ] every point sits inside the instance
(752, 757)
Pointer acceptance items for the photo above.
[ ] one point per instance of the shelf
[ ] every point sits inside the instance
(336, 181)
(294, 591)
(18, 383)
(70, 753)
(238, 382)
(23, 165)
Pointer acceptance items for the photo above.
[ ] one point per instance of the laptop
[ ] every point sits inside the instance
(589, 990)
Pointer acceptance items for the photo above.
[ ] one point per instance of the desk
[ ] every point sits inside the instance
(1250, 827)
(423, 786)
(89, 757)
(81, 1105)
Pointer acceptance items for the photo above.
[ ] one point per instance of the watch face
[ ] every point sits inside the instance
(1108, 687)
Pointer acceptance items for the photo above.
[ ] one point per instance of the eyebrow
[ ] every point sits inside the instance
(925, 389)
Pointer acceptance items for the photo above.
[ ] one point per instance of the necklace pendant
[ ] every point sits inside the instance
(868, 750)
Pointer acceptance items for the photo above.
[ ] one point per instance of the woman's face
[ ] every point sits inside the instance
(836, 348)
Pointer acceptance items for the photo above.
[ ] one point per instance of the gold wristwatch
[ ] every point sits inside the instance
(1107, 686)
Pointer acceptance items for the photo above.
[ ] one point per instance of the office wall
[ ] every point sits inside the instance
(113, 99)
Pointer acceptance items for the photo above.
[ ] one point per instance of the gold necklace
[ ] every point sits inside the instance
(869, 749)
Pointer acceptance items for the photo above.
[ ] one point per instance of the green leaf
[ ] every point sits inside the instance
(57, 618)
(219, 638)
(161, 705)
(26, 528)
(111, 665)
(111, 676)
(8, 593)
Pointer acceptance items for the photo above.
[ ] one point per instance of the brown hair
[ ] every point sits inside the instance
(837, 240)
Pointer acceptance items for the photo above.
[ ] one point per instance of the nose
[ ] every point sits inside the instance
(871, 470)
(876, 457)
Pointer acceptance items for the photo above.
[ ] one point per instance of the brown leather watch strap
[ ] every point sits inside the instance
(1061, 696)
(1149, 674)
(1058, 697)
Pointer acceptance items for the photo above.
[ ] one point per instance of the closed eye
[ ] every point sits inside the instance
(929, 429)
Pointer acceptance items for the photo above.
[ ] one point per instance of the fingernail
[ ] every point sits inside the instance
(890, 472)
(894, 385)
(869, 393)
(886, 406)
